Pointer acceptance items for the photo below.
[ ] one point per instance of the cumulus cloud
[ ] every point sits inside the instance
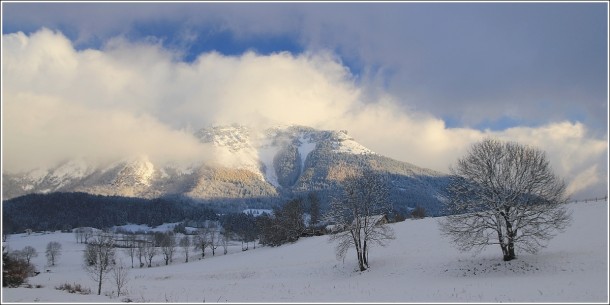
(131, 99)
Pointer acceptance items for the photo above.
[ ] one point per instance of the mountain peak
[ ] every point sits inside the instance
(252, 165)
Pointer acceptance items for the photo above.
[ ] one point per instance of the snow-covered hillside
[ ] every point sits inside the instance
(419, 266)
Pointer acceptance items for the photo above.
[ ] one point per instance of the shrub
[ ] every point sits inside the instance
(15, 271)
(74, 288)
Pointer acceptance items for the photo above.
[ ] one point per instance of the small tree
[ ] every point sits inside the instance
(53, 252)
(202, 240)
(224, 241)
(168, 247)
(213, 238)
(149, 250)
(357, 214)
(132, 248)
(504, 194)
(99, 258)
(83, 234)
(185, 244)
(141, 245)
(29, 252)
(120, 277)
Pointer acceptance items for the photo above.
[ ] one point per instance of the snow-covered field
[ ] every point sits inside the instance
(419, 266)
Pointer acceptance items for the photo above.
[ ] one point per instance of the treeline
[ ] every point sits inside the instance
(65, 211)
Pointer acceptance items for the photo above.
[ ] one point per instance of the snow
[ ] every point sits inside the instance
(144, 170)
(265, 155)
(76, 168)
(419, 266)
(347, 144)
(36, 175)
(304, 149)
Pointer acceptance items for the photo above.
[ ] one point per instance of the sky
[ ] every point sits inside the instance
(417, 82)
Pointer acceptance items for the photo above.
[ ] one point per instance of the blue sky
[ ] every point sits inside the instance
(476, 67)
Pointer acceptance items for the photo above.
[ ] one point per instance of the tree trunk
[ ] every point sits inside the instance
(99, 284)
(503, 245)
(358, 246)
(510, 235)
(511, 251)
(365, 255)
(360, 259)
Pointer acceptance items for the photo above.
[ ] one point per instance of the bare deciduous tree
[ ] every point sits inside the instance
(168, 247)
(83, 234)
(141, 244)
(149, 250)
(120, 277)
(53, 252)
(99, 258)
(358, 215)
(213, 238)
(504, 193)
(29, 252)
(132, 248)
(185, 244)
(202, 240)
(224, 240)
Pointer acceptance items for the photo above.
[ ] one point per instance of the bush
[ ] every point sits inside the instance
(15, 271)
(73, 288)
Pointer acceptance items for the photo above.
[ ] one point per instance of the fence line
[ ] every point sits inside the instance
(605, 198)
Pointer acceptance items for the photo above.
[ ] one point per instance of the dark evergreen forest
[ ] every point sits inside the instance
(65, 211)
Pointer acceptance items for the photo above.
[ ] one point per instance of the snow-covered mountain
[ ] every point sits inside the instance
(251, 165)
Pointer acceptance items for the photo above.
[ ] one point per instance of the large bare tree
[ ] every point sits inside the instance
(504, 193)
(358, 215)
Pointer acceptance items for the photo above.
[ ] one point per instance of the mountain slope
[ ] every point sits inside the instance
(252, 166)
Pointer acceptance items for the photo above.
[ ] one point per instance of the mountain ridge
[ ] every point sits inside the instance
(275, 163)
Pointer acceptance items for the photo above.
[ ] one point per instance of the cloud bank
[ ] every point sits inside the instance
(129, 99)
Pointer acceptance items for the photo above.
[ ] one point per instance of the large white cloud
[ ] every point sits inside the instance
(138, 98)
